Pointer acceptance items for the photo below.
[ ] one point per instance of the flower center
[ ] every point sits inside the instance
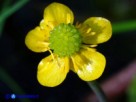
(65, 40)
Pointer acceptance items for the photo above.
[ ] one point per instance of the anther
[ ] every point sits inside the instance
(88, 30)
(93, 33)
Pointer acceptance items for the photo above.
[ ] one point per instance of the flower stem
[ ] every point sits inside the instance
(124, 26)
(98, 91)
(5, 5)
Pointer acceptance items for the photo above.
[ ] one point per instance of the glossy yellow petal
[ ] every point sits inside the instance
(52, 72)
(89, 64)
(57, 13)
(96, 30)
(37, 40)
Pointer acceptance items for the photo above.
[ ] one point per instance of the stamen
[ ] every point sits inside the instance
(50, 24)
(51, 54)
(53, 57)
(78, 25)
(58, 63)
(90, 34)
(45, 43)
(88, 30)
(89, 45)
(75, 69)
(93, 45)
(93, 33)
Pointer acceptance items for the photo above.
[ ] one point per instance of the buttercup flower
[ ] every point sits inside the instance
(71, 47)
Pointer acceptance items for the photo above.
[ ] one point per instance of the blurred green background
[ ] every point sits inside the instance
(18, 65)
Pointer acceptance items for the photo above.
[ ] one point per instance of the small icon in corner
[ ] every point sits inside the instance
(13, 96)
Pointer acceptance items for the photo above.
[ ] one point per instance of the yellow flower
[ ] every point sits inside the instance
(71, 47)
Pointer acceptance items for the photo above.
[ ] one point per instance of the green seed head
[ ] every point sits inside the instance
(65, 40)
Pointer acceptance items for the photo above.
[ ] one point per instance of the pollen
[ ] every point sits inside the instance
(65, 40)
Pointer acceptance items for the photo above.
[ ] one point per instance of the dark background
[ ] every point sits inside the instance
(21, 64)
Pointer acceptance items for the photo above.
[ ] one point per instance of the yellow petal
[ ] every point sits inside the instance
(96, 30)
(89, 64)
(37, 40)
(57, 13)
(52, 72)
